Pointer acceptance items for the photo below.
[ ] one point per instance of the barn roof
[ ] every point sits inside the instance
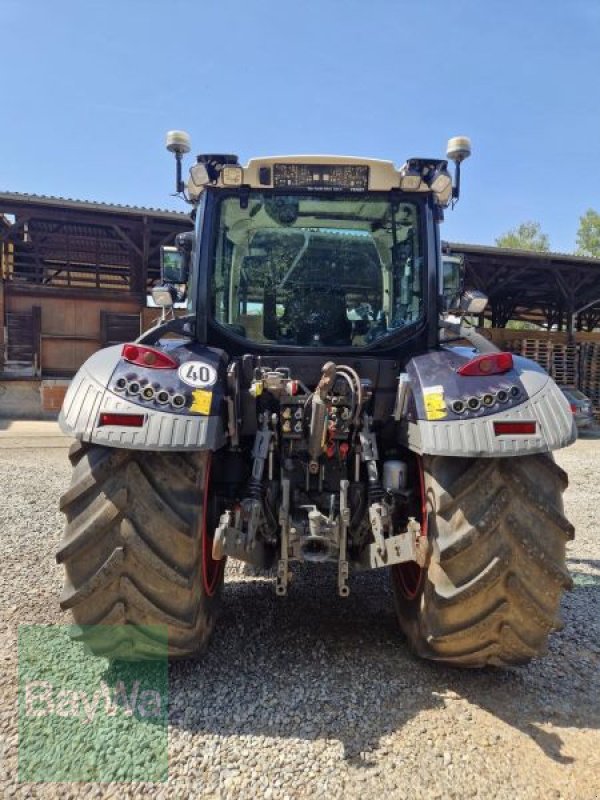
(49, 201)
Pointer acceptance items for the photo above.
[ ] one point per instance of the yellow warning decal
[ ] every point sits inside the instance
(435, 405)
(202, 400)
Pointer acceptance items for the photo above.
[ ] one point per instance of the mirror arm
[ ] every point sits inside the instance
(184, 325)
(479, 342)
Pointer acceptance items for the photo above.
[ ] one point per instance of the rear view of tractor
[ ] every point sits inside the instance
(314, 405)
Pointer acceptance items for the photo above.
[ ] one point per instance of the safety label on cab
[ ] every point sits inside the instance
(435, 405)
(201, 401)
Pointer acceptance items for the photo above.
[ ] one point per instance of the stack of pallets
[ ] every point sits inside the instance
(538, 350)
(559, 359)
(565, 364)
(590, 373)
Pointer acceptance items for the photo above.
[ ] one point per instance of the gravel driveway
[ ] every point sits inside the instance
(315, 696)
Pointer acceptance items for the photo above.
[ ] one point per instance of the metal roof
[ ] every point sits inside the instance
(539, 255)
(179, 216)
(49, 201)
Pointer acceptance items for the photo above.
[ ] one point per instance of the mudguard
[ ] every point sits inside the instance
(528, 394)
(97, 390)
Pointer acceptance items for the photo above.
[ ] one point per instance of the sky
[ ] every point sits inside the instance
(89, 89)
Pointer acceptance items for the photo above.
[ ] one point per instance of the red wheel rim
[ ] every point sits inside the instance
(410, 575)
(211, 568)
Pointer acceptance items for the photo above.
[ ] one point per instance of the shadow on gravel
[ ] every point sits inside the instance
(314, 666)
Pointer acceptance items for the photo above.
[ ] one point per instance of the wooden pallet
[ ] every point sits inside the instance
(539, 351)
(589, 369)
(565, 364)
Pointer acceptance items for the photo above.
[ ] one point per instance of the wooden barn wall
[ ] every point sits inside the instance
(70, 327)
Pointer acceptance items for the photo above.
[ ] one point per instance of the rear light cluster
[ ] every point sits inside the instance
(150, 393)
(487, 364)
(144, 356)
(486, 400)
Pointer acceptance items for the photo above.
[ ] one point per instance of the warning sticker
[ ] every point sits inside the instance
(435, 405)
(201, 401)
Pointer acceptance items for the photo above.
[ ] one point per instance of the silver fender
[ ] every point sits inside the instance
(88, 397)
(474, 435)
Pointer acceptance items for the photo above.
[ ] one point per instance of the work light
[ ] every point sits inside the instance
(410, 178)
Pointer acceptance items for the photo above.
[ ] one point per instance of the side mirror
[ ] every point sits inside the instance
(173, 268)
(175, 261)
(473, 302)
(452, 282)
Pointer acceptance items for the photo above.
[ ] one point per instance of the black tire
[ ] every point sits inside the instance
(136, 552)
(492, 589)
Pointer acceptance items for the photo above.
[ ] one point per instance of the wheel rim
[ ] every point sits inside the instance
(409, 575)
(211, 568)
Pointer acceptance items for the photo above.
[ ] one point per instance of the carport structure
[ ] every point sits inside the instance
(558, 291)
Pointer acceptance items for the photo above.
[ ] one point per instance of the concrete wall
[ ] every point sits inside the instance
(31, 399)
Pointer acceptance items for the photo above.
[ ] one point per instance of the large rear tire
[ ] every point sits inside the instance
(140, 579)
(492, 590)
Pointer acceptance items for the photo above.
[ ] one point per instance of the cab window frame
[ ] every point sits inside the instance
(425, 225)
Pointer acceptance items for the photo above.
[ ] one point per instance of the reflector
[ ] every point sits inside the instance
(125, 420)
(515, 428)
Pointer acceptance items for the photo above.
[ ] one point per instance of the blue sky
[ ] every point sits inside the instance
(89, 89)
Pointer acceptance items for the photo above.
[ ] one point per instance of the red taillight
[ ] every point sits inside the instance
(574, 408)
(147, 357)
(487, 364)
(124, 420)
(515, 428)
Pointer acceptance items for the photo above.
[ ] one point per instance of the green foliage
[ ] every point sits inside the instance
(526, 236)
(521, 325)
(588, 234)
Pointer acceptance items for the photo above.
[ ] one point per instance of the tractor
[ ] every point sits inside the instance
(315, 390)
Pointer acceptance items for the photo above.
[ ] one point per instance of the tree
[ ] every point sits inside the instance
(588, 234)
(527, 236)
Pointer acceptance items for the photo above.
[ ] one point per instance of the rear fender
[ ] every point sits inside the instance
(431, 425)
(199, 425)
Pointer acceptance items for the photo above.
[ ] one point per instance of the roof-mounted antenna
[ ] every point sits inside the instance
(178, 143)
(458, 149)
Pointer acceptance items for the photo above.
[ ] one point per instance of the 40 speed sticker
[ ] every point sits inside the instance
(197, 374)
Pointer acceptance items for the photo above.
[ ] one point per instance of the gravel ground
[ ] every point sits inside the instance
(314, 696)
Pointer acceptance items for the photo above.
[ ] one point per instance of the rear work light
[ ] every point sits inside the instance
(515, 428)
(123, 420)
(487, 364)
(148, 357)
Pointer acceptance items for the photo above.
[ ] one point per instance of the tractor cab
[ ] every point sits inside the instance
(322, 252)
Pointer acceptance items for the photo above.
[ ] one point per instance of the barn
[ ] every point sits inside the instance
(75, 275)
